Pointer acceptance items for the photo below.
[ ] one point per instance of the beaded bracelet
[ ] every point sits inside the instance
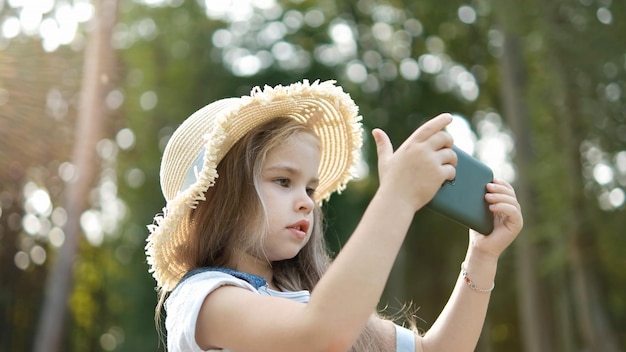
(471, 283)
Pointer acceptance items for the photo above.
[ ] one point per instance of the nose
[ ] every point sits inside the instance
(304, 203)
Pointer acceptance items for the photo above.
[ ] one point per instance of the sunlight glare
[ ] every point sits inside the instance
(40, 201)
(30, 18)
(135, 178)
(91, 223)
(495, 146)
(409, 69)
(461, 131)
(604, 15)
(68, 172)
(148, 100)
(272, 33)
(43, 6)
(314, 18)
(16, 3)
(83, 11)
(67, 24)
(125, 138)
(382, 31)
(229, 10)
(356, 72)
(11, 28)
(106, 149)
(38, 255)
(603, 173)
(467, 14)
(59, 217)
(21, 260)
(293, 20)
(430, 63)
(611, 200)
(31, 224)
(283, 51)
(343, 39)
(114, 99)
(49, 32)
(247, 65)
(617, 197)
(56, 236)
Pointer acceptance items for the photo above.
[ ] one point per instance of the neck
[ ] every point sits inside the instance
(246, 262)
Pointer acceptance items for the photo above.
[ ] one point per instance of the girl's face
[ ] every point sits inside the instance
(288, 181)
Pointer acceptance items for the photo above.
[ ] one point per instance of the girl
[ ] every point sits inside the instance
(239, 248)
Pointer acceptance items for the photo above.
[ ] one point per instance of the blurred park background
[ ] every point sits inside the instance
(90, 91)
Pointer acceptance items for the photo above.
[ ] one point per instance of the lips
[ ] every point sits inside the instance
(300, 228)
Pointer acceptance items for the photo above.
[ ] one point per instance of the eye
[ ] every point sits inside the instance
(310, 192)
(282, 182)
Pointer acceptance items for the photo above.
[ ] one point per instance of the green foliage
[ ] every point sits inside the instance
(575, 82)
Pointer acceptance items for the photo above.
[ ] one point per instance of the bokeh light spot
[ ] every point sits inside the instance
(148, 100)
(38, 255)
(617, 197)
(21, 260)
(56, 236)
(603, 173)
(604, 15)
(467, 14)
(125, 138)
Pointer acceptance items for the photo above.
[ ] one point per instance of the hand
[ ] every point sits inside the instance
(508, 220)
(413, 173)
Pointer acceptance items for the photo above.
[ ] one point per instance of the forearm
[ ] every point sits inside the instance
(461, 321)
(409, 177)
(351, 288)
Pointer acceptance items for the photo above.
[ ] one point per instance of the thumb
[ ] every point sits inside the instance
(384, 148)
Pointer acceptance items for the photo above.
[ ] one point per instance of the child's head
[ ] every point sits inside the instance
(244, 215)
(208, 216)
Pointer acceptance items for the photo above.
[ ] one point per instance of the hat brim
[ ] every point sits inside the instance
(215, 128)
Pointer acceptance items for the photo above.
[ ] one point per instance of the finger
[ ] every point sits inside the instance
(510, 213)
(502, 184)
(440, 140)
(448, 156)
(431, 127)
(506, 206)
(494, 198)
(502, 187)
(384, 148)
(449, 171)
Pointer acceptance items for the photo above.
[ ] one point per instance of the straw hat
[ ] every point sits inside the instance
(188, 167)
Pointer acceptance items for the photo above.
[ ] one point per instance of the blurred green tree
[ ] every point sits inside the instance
(546, 81)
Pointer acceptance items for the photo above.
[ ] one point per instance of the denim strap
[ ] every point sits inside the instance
(254, 280)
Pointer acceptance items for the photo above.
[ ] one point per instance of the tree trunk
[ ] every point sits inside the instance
(96, 83)
(593, 323)
(513, 87)
(594, 327)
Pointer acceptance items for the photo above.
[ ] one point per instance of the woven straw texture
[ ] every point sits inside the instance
(215, 128)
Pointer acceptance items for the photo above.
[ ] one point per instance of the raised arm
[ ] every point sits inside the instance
(409, 178)
(348, 293)
(461, 321)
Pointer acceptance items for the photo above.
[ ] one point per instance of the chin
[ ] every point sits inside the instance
(285, 256)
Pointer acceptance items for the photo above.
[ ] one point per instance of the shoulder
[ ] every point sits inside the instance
(200, 284)
(184, 304)
(391, 334)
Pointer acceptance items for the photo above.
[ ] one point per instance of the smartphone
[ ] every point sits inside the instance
(463, 199)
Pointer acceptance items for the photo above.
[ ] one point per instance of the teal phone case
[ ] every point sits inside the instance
(463, 199)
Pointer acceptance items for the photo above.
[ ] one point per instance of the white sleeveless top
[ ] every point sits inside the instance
(185, 301)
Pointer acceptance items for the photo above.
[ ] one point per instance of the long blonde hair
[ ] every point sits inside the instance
(223, 222)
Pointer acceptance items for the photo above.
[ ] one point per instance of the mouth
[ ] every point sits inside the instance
(300, 228)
